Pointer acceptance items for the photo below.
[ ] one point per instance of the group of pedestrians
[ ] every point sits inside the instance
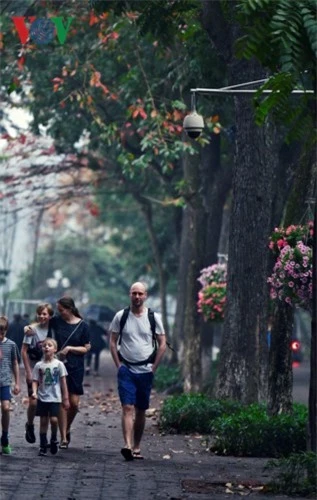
(53, 352)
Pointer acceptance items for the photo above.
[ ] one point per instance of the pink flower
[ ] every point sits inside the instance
(280, 243)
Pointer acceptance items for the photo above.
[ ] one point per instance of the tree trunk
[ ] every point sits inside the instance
(280, 374)
(196, 245)
(298, 183)
(312, 433)
(179, 325)
(216, 184)
(146, 209)
(33, 276)
(243, 358)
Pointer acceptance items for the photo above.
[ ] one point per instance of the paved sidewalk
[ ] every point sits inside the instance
(175, 467)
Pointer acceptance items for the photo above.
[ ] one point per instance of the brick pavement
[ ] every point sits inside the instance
(175, 467)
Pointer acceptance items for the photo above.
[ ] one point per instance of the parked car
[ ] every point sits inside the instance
(296, 348)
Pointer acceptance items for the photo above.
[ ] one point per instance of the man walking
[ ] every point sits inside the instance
(134, 335)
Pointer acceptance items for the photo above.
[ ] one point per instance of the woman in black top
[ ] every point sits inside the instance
(72, 336)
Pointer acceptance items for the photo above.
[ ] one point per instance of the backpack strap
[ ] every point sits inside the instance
(151, 317)
(123, 321)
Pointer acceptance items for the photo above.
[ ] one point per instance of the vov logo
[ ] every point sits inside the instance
(42, 31)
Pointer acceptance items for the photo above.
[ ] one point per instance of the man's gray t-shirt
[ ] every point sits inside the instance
(137, 339)
(48, 374)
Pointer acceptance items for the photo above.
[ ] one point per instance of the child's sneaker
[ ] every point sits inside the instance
(29, 433)
(43, 451)
(6, 450)
(54, 446)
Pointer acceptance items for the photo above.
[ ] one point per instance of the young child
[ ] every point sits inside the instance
(50, 389)
(9, 364)
(34, 334)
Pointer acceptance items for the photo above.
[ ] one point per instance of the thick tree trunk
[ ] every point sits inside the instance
(243, 359)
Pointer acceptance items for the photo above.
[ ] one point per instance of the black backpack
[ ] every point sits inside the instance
(123, 321)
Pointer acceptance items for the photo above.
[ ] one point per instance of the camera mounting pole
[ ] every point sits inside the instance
(194, 123)
(236, 89)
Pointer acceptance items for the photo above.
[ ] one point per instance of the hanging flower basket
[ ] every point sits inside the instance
(291, 236)
(291, 280)
(212, 296)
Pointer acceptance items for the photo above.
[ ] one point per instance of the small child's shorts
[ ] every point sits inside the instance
(47, 409)
(5, 393)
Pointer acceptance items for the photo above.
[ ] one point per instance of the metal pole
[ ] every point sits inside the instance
(244, 91)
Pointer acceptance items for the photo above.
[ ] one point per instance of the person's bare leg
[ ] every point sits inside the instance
(139, 425)
(31, 411)
(43, 425)
(127, 425)
(5, 415)
(73, 410)
(54, 426)
(62, 424)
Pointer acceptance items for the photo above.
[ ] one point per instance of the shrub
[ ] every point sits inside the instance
(251, 432)
(166, 376)
(193, 412)
(295, 475)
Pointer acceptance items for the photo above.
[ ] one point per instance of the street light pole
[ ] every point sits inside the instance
(58, 283)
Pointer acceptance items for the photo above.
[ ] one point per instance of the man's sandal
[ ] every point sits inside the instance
(137, 455)
(63, 445)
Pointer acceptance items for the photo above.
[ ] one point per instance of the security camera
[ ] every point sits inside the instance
(193, 124)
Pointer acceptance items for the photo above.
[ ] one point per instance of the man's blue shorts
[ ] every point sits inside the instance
(5, 393)
(134, 388)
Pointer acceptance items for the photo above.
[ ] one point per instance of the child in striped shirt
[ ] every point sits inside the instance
(9, 365)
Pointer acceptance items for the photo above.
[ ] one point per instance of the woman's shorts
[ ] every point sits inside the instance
(134, 388)
(44, 409)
